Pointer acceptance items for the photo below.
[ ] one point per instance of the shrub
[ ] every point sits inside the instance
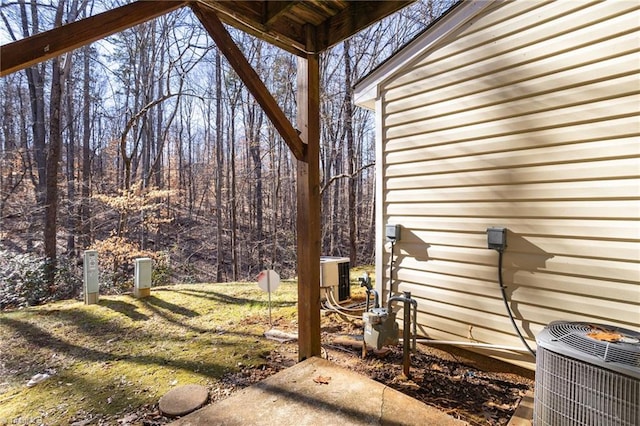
(22, 280)
(68, 279)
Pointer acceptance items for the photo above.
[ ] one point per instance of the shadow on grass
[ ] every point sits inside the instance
(153, 307)
(95, 393)
(87, 394)
(225, 298)
(85, 322)
(91, 392)
(41, 338)
(153, 304)
(179, 310)
(125, 308)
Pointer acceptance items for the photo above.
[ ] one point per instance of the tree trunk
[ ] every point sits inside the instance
(85, 215)
(233, 202)
(53, 165)
(53, 162)
(219, 170)
(257, 170)
(351, 181)
(71, 170)
(35, 81)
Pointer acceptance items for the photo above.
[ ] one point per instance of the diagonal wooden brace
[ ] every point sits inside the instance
(250, 78)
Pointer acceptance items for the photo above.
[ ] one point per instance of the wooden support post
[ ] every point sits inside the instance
(308, 214)
(306, 148)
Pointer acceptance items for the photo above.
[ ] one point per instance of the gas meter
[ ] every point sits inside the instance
(380, 328)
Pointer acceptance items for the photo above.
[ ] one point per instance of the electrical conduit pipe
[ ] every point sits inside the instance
(471, 344)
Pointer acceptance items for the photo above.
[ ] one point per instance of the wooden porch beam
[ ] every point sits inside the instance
(248, 16)
(308, 203)
(273, 10)
(355, 18)
(248, 75)
(28, 51)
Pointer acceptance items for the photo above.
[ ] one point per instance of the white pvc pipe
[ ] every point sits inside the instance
(333, 308)
(337, 305)
(471, 344)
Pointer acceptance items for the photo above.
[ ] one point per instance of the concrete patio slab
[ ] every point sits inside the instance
(318, 392)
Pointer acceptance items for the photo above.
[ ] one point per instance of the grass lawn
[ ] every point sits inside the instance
(107, 359)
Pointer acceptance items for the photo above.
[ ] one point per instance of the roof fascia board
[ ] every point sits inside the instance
(367, 90)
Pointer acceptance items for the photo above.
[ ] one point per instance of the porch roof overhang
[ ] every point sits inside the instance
(282, 23)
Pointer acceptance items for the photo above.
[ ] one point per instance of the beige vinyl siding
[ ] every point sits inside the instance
(526, 117)
(543, 46)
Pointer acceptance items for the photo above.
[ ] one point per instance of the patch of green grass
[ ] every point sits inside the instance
(123, 353)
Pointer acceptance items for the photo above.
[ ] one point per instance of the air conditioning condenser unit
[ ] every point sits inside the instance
(334, 277)
(587, 374)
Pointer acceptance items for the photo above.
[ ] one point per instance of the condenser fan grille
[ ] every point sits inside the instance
(587, 374)
(619, 345)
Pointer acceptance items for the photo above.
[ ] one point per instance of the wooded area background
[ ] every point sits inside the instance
(148, 144)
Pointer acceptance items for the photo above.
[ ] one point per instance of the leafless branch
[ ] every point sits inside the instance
(345, 176)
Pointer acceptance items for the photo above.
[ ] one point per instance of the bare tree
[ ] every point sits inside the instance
(219, 168)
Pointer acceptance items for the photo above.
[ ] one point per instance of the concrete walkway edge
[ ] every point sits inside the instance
(315, 392)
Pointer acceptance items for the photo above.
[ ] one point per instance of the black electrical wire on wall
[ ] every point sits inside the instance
(506, 305)
(390, 273)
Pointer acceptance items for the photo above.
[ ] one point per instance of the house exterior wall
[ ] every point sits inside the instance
(527, 116)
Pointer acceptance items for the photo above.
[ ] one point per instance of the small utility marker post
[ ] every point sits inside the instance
(91, 284)
(269, 281)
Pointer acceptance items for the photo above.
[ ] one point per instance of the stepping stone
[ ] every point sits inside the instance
(183, 400)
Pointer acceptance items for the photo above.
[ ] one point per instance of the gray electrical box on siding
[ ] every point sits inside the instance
(392, 232)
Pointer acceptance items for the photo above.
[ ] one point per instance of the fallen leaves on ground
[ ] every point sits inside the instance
(322, 380)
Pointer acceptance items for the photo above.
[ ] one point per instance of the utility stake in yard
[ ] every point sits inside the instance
(269, 281)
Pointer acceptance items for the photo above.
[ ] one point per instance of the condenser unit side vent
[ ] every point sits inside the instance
(334, 277)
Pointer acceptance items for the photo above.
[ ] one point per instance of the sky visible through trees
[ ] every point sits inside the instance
(147, 143)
